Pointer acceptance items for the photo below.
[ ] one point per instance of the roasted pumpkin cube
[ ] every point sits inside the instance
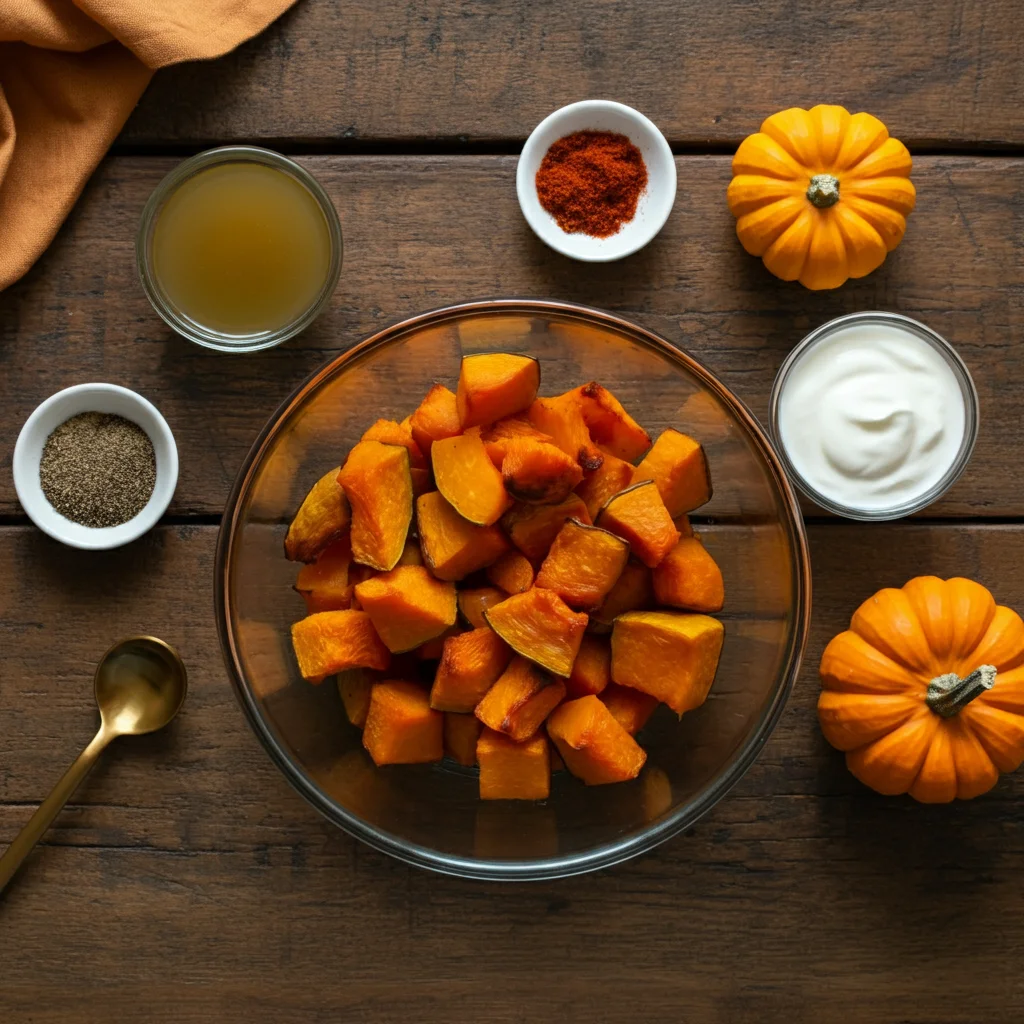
(633, 591)
(639, 515)
(594, 747)
(322, 518)
(513, 572)
(474, 601)
(688, 577)
(392, 432)
(324, 583)
(454, 547)
(612, 476)
(412, 554)
(591, 671)
(493, 385)
(422, 480)
(678, 466)
(408, 606)
(329, 642)
(354, 688)
(401, 726)
(467, 478)
(470, 665)
(523, 696)
(682, 524)
(539, 473)
(670, 655)
(436, 418)
(498, 436)
(533, 528)
(610, 425)
(583, 564)
(513, 771)
(461, 733)
(630, 708)
(562, 418)
(378, 483)
(540, 626)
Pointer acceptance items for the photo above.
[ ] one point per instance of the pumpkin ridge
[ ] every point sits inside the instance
(1000, 733)
(862, 188)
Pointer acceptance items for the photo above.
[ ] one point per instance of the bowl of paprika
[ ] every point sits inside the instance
(596, 180)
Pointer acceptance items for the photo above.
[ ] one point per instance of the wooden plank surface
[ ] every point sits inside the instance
(938, 72)
(422, 232)
(188, 884)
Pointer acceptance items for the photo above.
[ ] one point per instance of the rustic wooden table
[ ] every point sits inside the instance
(187, 882)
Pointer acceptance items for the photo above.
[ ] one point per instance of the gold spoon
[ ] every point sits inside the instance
(140, 685)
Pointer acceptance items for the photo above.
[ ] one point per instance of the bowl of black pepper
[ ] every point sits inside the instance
(95, 466)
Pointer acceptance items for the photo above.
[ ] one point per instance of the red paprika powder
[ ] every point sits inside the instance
(591, 181)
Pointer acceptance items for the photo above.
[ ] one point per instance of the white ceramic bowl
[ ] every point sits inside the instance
(655, 203)
(107, 398)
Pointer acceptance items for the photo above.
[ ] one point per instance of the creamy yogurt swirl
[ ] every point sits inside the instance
(871, 416)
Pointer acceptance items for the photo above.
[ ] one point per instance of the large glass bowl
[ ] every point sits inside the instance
(430, 815)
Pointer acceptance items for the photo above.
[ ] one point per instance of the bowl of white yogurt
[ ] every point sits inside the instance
(875, 415)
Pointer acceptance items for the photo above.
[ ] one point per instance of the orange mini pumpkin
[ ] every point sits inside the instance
(925, 691)
(821, 195)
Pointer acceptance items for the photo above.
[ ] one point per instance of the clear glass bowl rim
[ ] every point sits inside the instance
(972, 417)
(175, 319)
(681, 817)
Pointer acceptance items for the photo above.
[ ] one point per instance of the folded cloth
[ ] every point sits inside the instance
(70, 74)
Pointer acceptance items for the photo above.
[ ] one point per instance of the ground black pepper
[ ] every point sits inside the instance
(98, 469)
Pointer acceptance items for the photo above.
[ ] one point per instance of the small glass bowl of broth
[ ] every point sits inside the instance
(239, 248)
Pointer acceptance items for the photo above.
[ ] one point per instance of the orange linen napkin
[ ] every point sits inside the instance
(70, 74)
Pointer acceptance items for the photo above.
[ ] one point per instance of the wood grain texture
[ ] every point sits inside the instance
(187, 883)
(938, 72)
(423, 232)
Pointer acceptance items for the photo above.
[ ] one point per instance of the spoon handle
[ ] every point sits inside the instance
(51, 807)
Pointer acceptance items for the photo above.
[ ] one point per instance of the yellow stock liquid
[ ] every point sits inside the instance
(241, 248)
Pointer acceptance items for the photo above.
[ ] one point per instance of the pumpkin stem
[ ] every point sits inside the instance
(949, 693)
(823, 190)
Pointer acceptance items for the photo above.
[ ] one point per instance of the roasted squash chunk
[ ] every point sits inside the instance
(594, 747)
(329, 642)
(540, 626)
(538, 473)
(391, 432)
(498, 436)
(639, 515)
(378, 483)
(470, 665)
(670, 655)
(513, 771)
(354, 688)
(474, 601)
(324, 584)
(401, 726)
(513, 573)
(454, 547)
(610, 425)
(461, 733)
(630, 708)
(633, 591)
(432, 649)
(583, 564)
(323, 517)
(533, 528)
(495, 385)
(520, 700)
(591, 671)
(412, 554)
(688, 577)
(678, 466)
(408, 606)
(436, 418)
(562, 418)
(612, 476)
(467, 478)
(682, 524)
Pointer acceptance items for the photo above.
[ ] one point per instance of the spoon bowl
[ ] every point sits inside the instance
(140, 685)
